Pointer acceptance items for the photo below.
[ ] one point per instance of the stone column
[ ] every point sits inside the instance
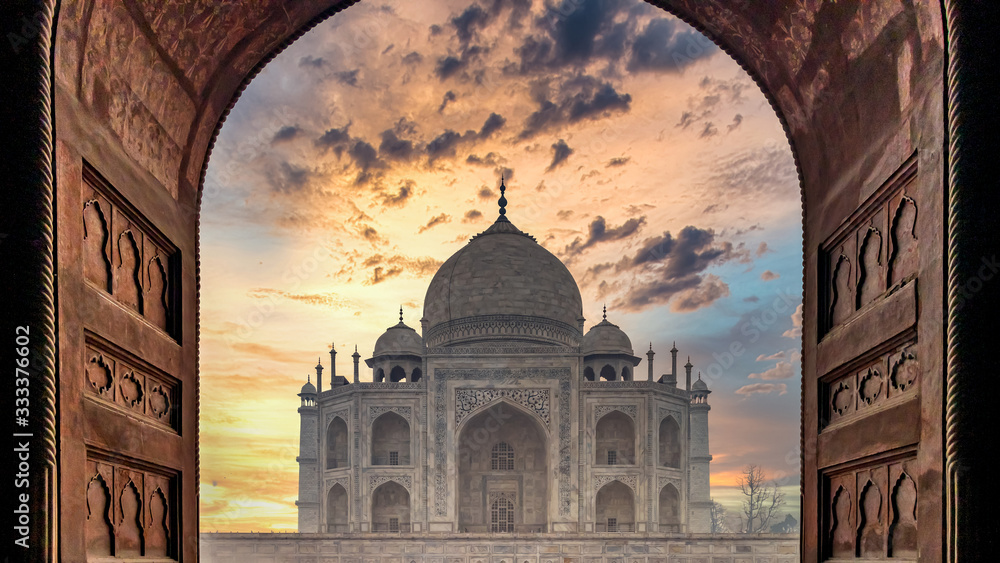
(356, 357)
(649, 361)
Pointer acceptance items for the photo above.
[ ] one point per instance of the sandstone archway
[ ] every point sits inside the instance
(849, 140)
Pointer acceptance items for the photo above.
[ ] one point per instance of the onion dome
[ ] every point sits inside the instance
(308, 388)
(399, 340)
(699, 385)
(606, 338)
(503, 284)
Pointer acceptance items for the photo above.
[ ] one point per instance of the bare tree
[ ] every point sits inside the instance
(761, 500)
(718, 516)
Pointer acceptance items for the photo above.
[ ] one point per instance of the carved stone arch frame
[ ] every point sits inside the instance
(545, 426)
(328, 485)
(631, 410)
(373, 412)
(632, 482)
(345, 415)
(661, 482)
(376, 480)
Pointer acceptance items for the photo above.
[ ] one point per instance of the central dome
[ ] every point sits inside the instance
(503, 282)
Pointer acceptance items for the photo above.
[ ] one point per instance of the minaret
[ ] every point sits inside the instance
(308, 458)
(333, 365)
(649, 361)
(700, 496)
(687, 370)
(356, 357)
(319, 377)
(673, 362)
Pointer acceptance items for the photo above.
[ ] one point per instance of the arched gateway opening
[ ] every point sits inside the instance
(502, 472)
(852, 145)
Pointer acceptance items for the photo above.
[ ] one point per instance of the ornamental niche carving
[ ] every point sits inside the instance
(628, 480)
(510, 377)
(631, 410)
(665, 412)
(663, 481)
(469, 400)
(342, 481)
(375, 412)
(374, 481)
(344, 415)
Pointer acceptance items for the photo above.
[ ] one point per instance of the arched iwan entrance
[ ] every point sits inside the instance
(390, 508)
(615, 508)
(503, 479)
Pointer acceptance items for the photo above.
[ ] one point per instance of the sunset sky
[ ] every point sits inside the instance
(370, 150)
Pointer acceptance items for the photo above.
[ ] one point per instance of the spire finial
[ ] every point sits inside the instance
(605, 311)
(503, 200)
(650, 346)
(400, 313)
(307, 379)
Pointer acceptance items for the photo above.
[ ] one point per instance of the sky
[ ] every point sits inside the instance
(371, 150)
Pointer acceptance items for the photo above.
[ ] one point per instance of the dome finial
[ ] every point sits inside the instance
(502, 201)
(605, 311)
(400, 313)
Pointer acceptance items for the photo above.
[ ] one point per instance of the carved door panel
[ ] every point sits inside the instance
(127, 380)
(866, 441)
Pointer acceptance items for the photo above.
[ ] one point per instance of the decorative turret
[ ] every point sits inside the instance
(700, 503)
(308, 501)
(356, 357)
(319, 376)
(671, 378)
(649, 361)
(398, 354)
(607, 352)
(687, 371)
(333, 363)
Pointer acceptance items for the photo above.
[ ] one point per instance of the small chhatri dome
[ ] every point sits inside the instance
(699, 385)
(399, 340)
(308, 388)
(502, 276)
(606, 338)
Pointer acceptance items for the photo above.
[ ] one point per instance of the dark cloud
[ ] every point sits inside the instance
(737, 121)
(574, 33)
(365, 156)
(619, 161)
(443, 145)
(560, 152)
(311, 61)
(669, 268)
(334, 139)
(286, 133)
(486, 193)
(687, 118)
(371, 235)
(392, 147)
(399, 198)
(447, 66)
(709, 130)
(564, 214)
(599, 232)
(583, 97)
(348, 77)
(474, 17)
(288, 178)
(435, 221)
(708, 290)
(449, 97)
(386, 267)
(491, 159)
(472, 215)
(667, 45)
(412, 58)
(493, 123)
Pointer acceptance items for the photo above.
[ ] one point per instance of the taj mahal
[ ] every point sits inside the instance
(503, 415)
